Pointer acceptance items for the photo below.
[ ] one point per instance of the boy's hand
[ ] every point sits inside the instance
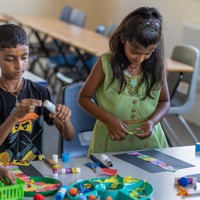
(7, 174)
(63, 113)
(26, 106)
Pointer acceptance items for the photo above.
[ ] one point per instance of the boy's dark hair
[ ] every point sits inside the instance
(11, 35)
(144, 25)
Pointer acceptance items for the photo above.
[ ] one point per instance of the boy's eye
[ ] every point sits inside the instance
(9, 59)
(24, 57)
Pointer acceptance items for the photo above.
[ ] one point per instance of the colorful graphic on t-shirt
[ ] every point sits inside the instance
(20, 139)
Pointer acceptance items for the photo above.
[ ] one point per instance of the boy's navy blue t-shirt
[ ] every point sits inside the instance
(24, 142)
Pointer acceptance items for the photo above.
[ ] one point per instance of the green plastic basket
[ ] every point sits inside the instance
(12, 192)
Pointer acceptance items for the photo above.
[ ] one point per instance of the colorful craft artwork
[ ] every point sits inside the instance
(15, 162)
(18, 173)
(41, 185)
(34, 185)
(154, 161)
(109, 171)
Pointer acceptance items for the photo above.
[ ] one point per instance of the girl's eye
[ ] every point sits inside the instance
(133, 52)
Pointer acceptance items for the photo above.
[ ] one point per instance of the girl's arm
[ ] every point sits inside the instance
(116, 128)
(160, 112)
(163, 103)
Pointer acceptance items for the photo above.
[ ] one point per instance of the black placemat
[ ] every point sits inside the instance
(30, 170)
(145, 165)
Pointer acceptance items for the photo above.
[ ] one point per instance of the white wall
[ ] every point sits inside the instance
(28, 6)
(113, 11)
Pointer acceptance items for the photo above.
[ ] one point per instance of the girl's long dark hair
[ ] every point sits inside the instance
(144, 25)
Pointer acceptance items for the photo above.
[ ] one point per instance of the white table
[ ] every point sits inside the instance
(162, 182)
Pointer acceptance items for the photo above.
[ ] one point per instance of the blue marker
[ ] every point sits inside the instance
(60, 195)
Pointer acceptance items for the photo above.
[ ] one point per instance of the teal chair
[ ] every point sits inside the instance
(182, 99)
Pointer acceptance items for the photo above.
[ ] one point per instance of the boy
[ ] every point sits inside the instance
(22, 115)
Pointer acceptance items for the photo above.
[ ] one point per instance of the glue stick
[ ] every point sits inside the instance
(55, 165)
(60, 195)
(50, 106)
(72, 170)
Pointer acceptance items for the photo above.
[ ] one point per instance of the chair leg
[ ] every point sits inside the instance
(182, 120)
(36, 61)
(171, 131)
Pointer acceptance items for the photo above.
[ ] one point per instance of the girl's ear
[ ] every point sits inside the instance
(123, 40)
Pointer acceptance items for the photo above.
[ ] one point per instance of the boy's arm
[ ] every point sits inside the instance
(62, 121)
(65, 128)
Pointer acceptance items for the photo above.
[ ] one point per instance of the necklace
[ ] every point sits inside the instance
(133, 83)
(16, 93)
(133, 68)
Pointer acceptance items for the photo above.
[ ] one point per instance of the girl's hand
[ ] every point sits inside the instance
(117, 129)
(7, 174)
(147, 128)
(26, 106)
(63, 113)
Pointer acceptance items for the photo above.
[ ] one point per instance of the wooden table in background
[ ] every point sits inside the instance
(175, 66)
(77, 37)
(80, 38)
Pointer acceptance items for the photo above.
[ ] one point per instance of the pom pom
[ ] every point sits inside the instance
(73, 191)
(183, 181)
(91, 197)
(38, 197)
(109, 198)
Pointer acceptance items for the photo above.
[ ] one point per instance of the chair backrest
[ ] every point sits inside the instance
(110, 29)
(184, 97)
(65, 13)
(77, 17)
(82, 121)
(101, 29)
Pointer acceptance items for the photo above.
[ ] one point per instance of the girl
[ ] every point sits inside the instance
(130, 85)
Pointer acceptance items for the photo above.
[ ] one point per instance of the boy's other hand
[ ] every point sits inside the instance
(63, 113)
